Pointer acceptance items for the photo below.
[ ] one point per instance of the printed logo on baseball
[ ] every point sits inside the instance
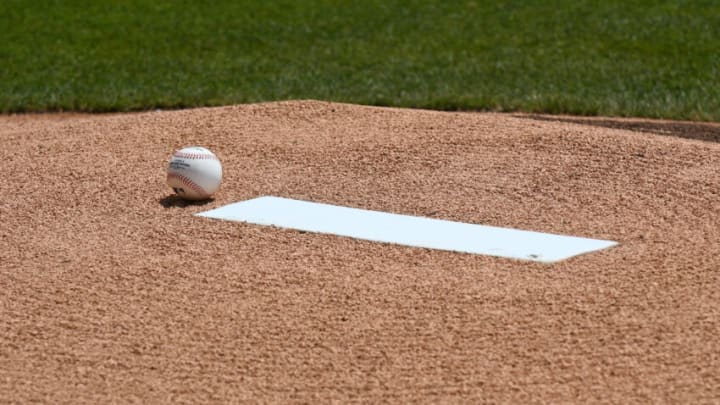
(194, 173)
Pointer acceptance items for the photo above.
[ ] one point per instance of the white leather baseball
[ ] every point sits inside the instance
(194, 173)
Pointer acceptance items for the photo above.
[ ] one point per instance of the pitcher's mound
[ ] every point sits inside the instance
(112, 290)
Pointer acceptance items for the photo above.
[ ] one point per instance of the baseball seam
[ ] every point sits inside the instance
(189, 183)
(183, 155)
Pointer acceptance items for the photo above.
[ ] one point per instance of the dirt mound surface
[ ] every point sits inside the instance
(113, 291)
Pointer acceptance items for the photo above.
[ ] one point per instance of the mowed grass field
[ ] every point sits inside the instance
(625, 58)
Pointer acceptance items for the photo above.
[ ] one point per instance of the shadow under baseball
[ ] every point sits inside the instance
(175, 201)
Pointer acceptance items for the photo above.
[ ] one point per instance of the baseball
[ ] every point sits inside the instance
(194, 173)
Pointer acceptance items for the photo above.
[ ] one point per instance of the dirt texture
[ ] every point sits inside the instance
(112, 291)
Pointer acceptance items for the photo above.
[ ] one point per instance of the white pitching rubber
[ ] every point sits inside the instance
(407, 230)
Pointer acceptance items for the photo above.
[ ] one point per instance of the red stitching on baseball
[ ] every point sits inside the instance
(189, 183)
(184, 155)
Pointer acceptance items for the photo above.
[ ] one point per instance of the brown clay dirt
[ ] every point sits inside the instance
(112, 291)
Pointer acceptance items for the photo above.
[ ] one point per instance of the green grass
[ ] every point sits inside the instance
(636, 58)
